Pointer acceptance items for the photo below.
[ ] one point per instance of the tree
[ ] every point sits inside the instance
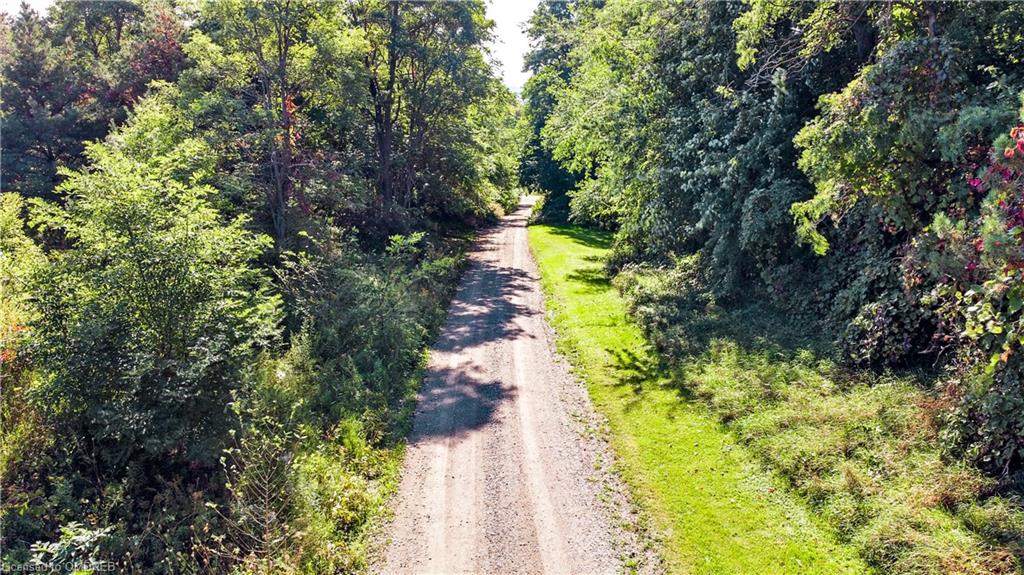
(49, 106)
(550, 31)
(424, 67)
(273, 38)
(145, 326)
(100, 28)
(68, 78)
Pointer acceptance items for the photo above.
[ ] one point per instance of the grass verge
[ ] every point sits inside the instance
(713, 505)
(864, 449)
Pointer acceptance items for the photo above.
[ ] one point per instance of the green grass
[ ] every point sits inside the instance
(865, 450)
(712, 504)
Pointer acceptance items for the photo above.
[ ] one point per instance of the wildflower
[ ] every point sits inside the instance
(1008, 153)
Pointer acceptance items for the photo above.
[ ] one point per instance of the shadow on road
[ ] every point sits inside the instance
(483, 311)
(481, 324)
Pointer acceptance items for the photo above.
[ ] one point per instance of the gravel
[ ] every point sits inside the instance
(506, 471)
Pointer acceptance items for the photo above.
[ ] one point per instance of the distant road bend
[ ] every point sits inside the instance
(497, 477)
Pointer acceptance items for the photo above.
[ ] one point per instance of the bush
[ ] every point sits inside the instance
(145, 326)
(301, 489)
(20, 258)
(75, 552)
(886, 331)
(332, 507)
(367, 318)
(141, 331)
(507, 199)
(977, 263)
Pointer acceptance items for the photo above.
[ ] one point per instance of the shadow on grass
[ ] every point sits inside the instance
(595, 279)
(753, 327)
(636, 369)
(639, 371)
(589, 237)
(681, 327)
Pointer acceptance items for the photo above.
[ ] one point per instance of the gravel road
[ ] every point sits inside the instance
(504, 472)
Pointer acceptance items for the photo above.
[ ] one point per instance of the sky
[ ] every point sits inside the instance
(511, 42)
(14, 6)
(508, 48)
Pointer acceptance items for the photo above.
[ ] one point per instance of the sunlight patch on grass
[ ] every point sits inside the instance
(713, 506)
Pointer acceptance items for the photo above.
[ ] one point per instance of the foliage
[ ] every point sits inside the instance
(24, 434)
(551, 35)
(866, 451)
(367, 319)
(695, 131)
(494, 122)
(594, 129)
(146, 324)
(20, 258)
(875, 141)
(275, 44)
(977, 263)
(183, 393)
(423, 68)
(73, 552)
(352, 122)
(68, 77)
(844, 161)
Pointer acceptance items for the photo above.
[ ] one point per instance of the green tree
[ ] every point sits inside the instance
(145, 325)
(424, 67)
(551, 34)
(49, 108)
(273, 44)
(67, 78)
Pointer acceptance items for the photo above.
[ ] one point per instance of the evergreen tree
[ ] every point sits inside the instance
(50, 106)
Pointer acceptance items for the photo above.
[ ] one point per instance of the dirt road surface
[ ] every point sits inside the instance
(501, 474)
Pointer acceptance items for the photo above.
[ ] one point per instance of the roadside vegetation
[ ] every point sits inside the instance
(863, 449)
(228, 231)
(711, 506)
(815, 211)
(749, 447)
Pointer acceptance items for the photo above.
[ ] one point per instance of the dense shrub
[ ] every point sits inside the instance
(977, 263)
(140, 334)
(25, 435)
(367, 317)
(145, 326)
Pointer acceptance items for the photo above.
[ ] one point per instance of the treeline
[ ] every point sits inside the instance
(227, 231)
(856, 165)
(858, 161)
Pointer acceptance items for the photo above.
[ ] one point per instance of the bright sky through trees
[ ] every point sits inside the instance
(13, 6)
(511, 42)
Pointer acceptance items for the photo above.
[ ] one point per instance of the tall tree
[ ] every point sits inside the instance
(551, 37)
(424, 67)
(49, 106)
(67, 78)
(273, 38)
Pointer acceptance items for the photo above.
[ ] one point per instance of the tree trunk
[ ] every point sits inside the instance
(384, 115)
(284, 183)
